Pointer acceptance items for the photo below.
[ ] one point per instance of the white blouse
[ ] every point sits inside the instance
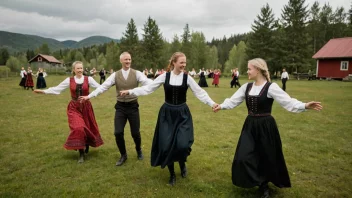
(141, 78)
(66, 84)
(177, 80)
(275, 92)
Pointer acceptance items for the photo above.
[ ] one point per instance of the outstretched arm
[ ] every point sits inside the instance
(55, 90)
(314, 105)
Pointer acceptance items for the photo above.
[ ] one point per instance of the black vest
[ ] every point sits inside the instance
(259, 105)
(175, 94)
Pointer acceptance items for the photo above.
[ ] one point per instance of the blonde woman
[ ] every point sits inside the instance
(84, 130)
(173, 136)
(259, 158)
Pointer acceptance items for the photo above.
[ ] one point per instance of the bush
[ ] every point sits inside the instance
(4, 72)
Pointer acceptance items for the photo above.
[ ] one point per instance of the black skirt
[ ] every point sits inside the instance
(259, 156)
(23, 82)
(41, 82)
(173, 135)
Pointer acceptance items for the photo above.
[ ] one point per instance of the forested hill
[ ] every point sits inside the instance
(16, 42)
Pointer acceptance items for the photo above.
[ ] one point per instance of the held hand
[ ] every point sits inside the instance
(38, 91)
(83, 98)
(216, 108)
(124, 93)
(314, 105)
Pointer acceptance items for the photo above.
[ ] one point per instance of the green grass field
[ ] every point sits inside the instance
(33, 128)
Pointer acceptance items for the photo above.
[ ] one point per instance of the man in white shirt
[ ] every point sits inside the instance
(126, 106)
(284, 78)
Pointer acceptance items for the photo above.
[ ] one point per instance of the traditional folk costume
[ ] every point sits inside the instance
(216, 79)
(41, 81)
(202, 80)
(29, 80)
(83, 127)
(173, 136)
(23, 78)
(259, 158)
(127, 108)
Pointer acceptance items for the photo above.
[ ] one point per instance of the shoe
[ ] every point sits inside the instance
(140, 155)
(172, 180)
(121, 160)
(264, 190)
(184, 172)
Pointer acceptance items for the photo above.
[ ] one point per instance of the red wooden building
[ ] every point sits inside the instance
(334, 59)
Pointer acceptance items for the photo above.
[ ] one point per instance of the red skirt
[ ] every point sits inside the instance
(83, 127)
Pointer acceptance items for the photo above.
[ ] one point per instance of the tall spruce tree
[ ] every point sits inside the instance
(294, 19)
(152, 45)
(129, 41)
(186, 42)
(176, 44)
(260, 42)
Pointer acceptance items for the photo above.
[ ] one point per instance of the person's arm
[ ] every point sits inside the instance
(103, 87)
(290, 104)
(56, 90)
(92, 82)
(143, 79)
(149, 88)
(287, 76)
(236, 99)
(200, 93)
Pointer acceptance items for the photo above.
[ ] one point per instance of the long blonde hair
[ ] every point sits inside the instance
(173, 60)
(74, 65)
(261, 65)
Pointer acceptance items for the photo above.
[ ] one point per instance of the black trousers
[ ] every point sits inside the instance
(284, 83)
(127, 111)
(102, 79)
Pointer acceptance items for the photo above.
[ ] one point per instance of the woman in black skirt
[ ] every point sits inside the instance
(259, 158)
(41, 84)
(202, 80)
(173, 135)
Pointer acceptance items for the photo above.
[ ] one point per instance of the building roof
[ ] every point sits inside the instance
(48, 58)
(336, 48)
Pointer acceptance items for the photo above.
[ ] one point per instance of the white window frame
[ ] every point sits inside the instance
(343, 64)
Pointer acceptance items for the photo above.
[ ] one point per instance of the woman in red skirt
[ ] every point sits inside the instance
(84, 130)
(216, 77)
(29, 80)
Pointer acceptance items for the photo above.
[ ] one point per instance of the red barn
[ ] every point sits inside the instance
(334, 59)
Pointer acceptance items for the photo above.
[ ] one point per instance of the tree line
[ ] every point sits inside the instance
(288, 41)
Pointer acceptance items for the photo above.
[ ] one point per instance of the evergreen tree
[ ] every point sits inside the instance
(231, 62)
(176, 44)
(4, 56)
(186, 42)
(129, 41)
(313, 27)
(294, 19)
(152, 45)
(260, 42)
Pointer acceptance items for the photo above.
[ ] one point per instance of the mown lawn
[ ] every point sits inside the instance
(33, 128)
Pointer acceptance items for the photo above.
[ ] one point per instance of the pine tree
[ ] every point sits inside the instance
(296, 43)
(152, 44)
(186, 42)
(260, 42)
(198, 51)
(176, 44)
(129, 41)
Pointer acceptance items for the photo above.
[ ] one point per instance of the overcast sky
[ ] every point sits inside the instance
(79, 19)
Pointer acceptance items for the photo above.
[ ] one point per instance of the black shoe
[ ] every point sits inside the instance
(121, 160)
(87, 149)
(172, 180)
(264, 190)
(140, 155)
(184, 172)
